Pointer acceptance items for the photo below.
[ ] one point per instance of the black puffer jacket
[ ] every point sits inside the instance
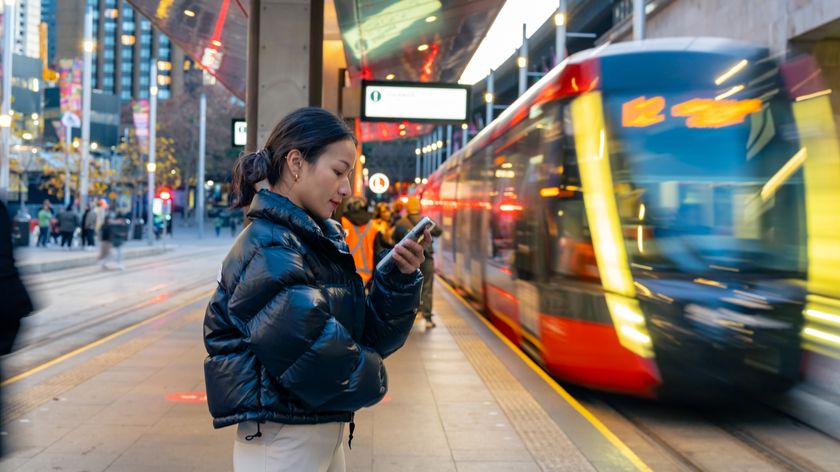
(290, 336)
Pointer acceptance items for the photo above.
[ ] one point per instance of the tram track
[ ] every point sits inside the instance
(37, 281)
(52, 336)
(700, 439)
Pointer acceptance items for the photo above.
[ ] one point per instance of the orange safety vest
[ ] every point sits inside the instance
(360, 242)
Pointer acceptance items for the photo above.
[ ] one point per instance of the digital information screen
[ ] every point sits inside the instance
(239, 132)
(415, 101)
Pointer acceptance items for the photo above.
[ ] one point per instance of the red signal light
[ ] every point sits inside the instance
(165, 195)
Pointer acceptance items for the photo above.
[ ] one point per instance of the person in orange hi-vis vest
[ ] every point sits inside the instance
(360, 235)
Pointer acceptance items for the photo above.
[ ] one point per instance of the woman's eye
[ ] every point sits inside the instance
(338, 173)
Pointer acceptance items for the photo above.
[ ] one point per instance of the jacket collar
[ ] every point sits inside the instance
(278, 209)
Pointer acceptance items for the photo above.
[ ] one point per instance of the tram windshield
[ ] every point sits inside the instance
(706, 183)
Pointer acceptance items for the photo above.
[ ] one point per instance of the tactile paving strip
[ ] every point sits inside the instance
(550, 447)
(27, 400)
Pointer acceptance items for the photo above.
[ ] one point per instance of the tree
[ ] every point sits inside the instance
(179, 120)
(133, 170)
(99, 175)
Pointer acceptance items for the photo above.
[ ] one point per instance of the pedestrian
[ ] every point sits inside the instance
(68, 221)
(385, 231)
(294, 346)
(16, 301)
(217, 223)
(88, 228)
(402, 227)
(45, 215)
(360, 233)
(397, 211)
(234, 223)
(112, 237)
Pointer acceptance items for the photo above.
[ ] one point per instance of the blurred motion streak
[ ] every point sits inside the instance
(815, 121)
(734, 70)
(730, 92)
(813, 95)
(607, 238)
(783, 174)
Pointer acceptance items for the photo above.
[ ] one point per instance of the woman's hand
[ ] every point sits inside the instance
(409, 255)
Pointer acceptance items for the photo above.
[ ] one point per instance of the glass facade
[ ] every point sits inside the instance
(124, 38)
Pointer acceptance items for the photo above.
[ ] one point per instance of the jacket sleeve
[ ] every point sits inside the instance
(390, 310)
(287, 324)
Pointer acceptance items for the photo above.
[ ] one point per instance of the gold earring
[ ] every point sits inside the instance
(296, 177)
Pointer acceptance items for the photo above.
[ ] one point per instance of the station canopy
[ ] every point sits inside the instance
(415, 40)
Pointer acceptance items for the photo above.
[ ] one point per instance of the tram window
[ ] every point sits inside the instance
(510, 162)
(570, 253)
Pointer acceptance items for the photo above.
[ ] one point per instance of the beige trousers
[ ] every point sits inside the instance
(289, 448)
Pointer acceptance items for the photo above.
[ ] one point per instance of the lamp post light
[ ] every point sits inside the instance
(152, 165)
(6, 104)
(87, 77)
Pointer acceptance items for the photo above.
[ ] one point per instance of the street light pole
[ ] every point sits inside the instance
(199, 184)
(522, 62)
(88, 47)
(6, 106)
(560, 33)
(638, 20)
(489, 98)
(152, 165)
(68, 145)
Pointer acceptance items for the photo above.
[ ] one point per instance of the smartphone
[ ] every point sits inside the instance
(416, 234)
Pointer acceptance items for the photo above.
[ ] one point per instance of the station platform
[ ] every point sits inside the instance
(460, 399)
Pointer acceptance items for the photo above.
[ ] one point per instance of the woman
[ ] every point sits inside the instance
(294, 347)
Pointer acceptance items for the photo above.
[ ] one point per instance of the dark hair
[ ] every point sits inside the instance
(309, 130)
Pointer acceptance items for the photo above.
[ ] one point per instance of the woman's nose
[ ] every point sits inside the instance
(344, 188)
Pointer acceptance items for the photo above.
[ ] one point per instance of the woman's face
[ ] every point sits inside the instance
(385, 215)
(323, 185)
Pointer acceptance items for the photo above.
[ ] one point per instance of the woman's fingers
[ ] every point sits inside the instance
(427, 239)
(408, 256)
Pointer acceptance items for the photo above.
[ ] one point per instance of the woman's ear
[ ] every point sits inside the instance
(294, 161)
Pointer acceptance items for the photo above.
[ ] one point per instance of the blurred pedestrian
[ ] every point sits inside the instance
(88, 228)
(234, 222)
(112, 237)
(68, 221)
(397, 210)
(218, 221)
(295, 347)
(16, 301)
(402, 228)
(385, 230)
(360, 233)
(45, 215)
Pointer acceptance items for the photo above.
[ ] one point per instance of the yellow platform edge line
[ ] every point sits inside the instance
(98, 342)
(595, 422)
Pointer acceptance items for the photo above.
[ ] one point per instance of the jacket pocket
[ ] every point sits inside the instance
(232, 384)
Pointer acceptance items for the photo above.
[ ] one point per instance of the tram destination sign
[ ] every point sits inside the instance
(421, 102)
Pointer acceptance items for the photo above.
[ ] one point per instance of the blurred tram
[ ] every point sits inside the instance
(636, 221)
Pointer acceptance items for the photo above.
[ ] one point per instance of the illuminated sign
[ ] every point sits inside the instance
(379, 183)
(238, 132)
(708, 113)
(415, 101)
(642, 112)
